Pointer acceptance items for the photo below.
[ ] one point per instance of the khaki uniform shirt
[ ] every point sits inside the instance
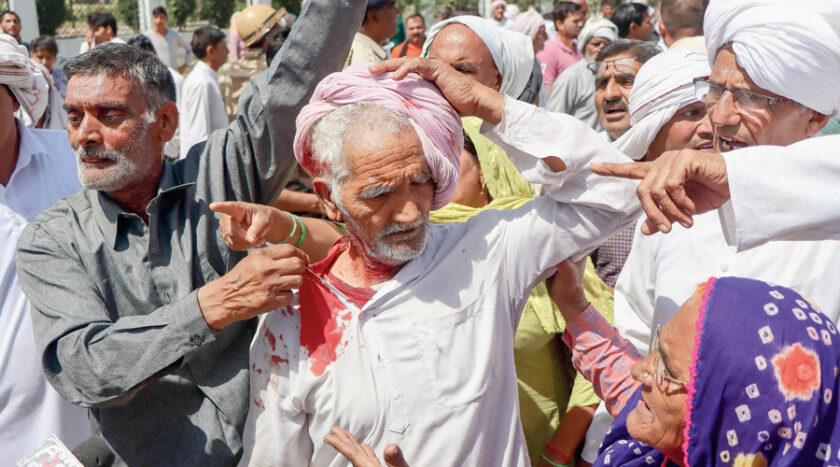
(234, 76)
(365, 50)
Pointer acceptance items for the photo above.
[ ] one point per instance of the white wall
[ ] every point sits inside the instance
(28, 18)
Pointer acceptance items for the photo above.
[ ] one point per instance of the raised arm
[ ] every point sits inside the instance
(252, 159)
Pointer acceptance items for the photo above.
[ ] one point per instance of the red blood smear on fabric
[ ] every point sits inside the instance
(271, 340)
(276, 359)
(257, 403)
(320, 331)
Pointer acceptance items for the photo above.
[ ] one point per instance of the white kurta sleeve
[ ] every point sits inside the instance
(580, 209)
(635, 294)
(783, 193)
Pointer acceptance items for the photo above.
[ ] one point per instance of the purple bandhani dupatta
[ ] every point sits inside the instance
(763, 388)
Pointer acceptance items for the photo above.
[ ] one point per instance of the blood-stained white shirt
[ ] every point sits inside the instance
(427, 361)
(30, 409)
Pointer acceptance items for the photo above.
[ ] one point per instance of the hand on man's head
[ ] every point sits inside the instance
(468, 97)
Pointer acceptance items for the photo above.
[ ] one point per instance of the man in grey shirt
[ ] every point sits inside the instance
(134, 314)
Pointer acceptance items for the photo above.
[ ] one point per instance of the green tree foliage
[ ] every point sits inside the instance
(128, 12)
(51, 13)
(217, 12)
(292, 6)
(180, 10)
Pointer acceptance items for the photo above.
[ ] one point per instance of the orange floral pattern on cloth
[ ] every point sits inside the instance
(797, 372)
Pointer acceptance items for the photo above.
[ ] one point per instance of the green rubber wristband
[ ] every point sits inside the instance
(302, 233)
(550, 462)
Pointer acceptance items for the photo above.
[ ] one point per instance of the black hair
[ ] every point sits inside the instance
(562, 10)
(159, 10)
(626, 14)
(98, 20)
(9, 12)
(204, 37)
(46, 43)
(416, 15)
(142, 42)
(642, 50)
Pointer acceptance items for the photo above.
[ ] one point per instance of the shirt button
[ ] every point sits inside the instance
(724, 267)
(197, 340)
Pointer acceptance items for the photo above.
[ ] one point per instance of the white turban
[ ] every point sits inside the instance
(664, 84)
(512, 52)
(597, 28)
(528, 23)
(25, 81)
(789, 48)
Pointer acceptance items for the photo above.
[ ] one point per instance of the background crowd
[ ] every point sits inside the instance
(130, 302)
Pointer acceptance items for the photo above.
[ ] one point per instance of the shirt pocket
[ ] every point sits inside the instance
(455, 350)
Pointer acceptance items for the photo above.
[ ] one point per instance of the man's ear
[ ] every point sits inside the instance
(664, 33)
(166, 117)
(322, 190)
(816, 123)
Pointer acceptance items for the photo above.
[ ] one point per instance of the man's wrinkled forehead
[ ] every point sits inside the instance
(622, 63)
(86, 90)
(456, 39)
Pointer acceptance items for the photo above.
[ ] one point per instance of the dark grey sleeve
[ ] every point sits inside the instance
(91, 360)
(252, 159)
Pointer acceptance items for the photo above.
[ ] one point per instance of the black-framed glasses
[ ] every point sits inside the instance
(661, 374)
(621, 65)
(744, 101)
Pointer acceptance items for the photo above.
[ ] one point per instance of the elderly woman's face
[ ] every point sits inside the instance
(388, 196)
(659, 418)
(463, 50)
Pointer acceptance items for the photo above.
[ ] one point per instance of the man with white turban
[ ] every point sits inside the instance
(532, 24)
(573, 91)
(784, 88)
(37, 168)
(404, 333)
(497, 12)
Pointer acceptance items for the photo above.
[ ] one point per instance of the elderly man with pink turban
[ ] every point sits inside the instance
(404, 333)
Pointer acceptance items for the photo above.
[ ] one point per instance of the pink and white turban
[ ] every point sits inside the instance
(433, 118)
(23, 78)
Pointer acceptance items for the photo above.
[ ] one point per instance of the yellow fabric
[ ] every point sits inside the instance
(500, 175)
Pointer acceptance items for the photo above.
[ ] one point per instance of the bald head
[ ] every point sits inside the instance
(460, 47)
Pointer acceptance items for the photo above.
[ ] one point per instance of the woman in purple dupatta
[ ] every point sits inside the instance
(745, 374)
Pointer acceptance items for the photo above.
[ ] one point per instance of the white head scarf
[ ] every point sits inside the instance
(664, 84)
(528, 23)
(25, 81)
(789, 48)
(512, 52)
(597, 28)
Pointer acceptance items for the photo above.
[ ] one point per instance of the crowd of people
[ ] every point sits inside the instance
(549, 238)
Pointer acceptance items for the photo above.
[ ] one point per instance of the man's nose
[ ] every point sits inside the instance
(723, 113)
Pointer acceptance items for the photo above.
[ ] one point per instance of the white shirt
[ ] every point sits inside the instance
(85, 47)
(663, 271)
(172, 147)
(782, 193)
(166, 47)
(30, 409)
(427, 362)
(202, 109)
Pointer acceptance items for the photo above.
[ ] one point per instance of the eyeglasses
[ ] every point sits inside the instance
(661, 372)
(744, 101)
(621, 65)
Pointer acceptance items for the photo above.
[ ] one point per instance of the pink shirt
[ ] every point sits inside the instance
(603, 357)
(556, 57)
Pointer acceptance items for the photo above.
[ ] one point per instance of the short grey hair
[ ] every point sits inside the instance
(144, 69)
(329, 134)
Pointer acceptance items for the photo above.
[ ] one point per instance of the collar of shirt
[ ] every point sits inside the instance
(29, 146)
(110, 216)
(205, 69)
